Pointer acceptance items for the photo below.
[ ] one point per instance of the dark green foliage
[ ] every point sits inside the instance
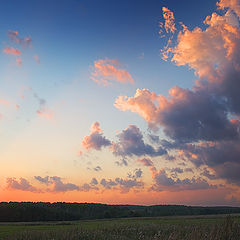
(30, 212)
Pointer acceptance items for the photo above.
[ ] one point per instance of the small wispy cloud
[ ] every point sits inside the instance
(106, 71)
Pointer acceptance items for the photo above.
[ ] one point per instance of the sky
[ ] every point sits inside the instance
(120, 102)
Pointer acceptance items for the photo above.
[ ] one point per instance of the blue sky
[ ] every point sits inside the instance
(48, 107)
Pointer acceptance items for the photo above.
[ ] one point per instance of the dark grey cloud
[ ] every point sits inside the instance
(108, 183)
(94, 181)
(122, 162)
(222, 157)
(199, 116)
(131, 143)
(46, 180)
(137, 173)
(206, 173)
(97, 169)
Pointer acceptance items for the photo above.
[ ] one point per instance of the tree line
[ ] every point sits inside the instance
(60, 211)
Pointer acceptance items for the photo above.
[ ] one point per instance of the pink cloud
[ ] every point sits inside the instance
(4, 102)
(106, 71)
(19, 62)
(12, 51)
(37, 59)
(47, 114)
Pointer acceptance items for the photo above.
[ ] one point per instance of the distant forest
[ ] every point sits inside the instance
(40, 211)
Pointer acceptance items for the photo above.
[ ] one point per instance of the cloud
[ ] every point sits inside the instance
(12, 51)
(45, 180)
(122, 162)
(24, 42)
(131, 143)
(127, 184)
(59, 186)
(165, 183)
(176, 170)
(19, 61)
(124, 184)
(106, 71)
(95, 140)
(146, 162)
(185, 116)
(94, 181)
(21, 184)
(208, 174)
(136, 174)
(97, 169)
(231, 4)
(43, 111)
(169, 20)
(222, 157)
(108, 184)
(36, 58)
(4, 102)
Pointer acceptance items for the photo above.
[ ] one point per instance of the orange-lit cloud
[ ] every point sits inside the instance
(169, 20)
(12, 51)
(220, 41)
(106, 71)
(231, 4)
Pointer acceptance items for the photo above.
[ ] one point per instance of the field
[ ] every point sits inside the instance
(164, 228)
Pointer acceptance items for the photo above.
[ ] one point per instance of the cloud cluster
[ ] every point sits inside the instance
(203, 122)
(12, 51)
(106, 71)
(163, 182)
(56, 184)
(124, 184)
(24, 42)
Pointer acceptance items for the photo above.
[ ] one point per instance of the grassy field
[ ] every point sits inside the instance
(164, 228)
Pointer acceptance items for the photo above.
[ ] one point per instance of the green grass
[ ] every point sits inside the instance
(179, 228)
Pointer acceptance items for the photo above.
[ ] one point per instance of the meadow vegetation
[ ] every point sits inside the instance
(169, 228)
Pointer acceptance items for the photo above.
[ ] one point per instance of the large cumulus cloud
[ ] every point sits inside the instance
(202, 122)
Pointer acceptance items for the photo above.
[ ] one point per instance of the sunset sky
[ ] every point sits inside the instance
(120, 102)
